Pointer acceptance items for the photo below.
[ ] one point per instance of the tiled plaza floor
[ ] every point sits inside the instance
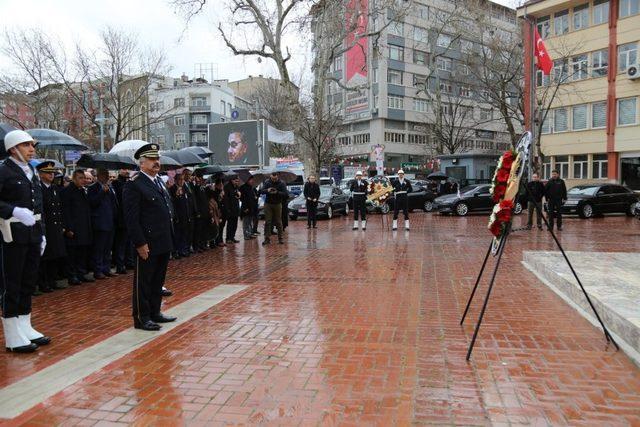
(348, 328)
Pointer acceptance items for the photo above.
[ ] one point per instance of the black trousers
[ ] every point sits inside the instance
(359, 208)
(77, 257)
(102, 244)
(220, 237)
(201, 233)
(19, 277)
(256, 220)
(122, 249)
(402, 202)
(182, 242)
(312, 213)
(555, 212)
(148, 279)
(48, 272)
(537, 207)
(232, 226)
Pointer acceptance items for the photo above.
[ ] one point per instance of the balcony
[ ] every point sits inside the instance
(200, 108)
(198, 127)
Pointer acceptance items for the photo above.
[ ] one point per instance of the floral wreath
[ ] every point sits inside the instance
(502, 192)
(379, 192)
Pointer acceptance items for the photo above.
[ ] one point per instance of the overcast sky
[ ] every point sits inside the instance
(156, 24)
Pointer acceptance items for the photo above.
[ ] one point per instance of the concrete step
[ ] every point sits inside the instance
(612, 280)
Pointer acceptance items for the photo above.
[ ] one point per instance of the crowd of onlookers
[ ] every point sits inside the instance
(90, 217)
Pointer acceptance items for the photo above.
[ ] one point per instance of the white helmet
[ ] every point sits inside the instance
(400, 172)
(358, 173)
(16, 137)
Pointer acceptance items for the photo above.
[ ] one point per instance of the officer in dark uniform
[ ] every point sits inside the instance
(359, 189)
(23, 242)
(55, 252)
(401, 188)
(148, 216)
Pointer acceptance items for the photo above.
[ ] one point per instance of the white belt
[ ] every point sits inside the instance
(5, 227)
(401, 192)
(354, 193)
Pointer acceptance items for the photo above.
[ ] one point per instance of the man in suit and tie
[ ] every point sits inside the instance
(148, 216)
(104, 213)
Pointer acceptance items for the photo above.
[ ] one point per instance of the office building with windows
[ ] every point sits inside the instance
(181, 109)
(394, 112)
(591, 129)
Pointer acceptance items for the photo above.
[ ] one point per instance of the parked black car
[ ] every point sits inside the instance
(588, 201)
(332, 200)
(419, 198)
(473, 198)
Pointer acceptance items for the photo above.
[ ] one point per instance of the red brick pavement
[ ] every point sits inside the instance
(339, 328)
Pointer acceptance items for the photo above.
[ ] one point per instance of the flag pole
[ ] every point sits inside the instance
(532, 95)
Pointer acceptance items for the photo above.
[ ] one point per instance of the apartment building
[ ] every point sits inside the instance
(592, 127)
(394, 112)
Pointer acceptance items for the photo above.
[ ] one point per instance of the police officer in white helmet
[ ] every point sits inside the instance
(23, 242)
(359, 190)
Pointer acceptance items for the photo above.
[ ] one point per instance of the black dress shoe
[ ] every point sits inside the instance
(46, 289)
(161, 318)
(99, 276)
(109, 274)
(146, 325)
(41, 341)
(30, 348)
(87, 279)
(166, 293)
(58, 286)
(121, 271)
(36, 292)
(74, 282)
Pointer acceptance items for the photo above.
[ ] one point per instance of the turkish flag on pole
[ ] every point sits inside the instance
(544, 60)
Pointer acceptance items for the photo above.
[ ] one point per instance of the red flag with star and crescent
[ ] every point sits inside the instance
(544, 60)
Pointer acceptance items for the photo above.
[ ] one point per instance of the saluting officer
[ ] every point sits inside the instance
(359, 189)
(401, 188)
(55, 251)
(23, 242)
(148, 215)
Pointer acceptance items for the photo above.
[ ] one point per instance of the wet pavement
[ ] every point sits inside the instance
(347, 328)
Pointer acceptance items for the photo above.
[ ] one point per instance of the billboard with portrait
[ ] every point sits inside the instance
(235, 143)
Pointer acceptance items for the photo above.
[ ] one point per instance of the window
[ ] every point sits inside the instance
(420, 57)
(178, 102)
(629, 7)
(420, 34)
(178, 120)
(396, 53)
(199, 137)
(444, 64)
(560, 70)
(562, 165)
(579, 117)
(560, 120)
(376, 101)
(445, 87)
(229, 108)
(546, 170)
(600, 63)
(179, 138)
(421, 11)
(599, 115)
(199, 101)
(223, 108)
(160, 124)
(546, 124)
(466, 46)
(417, 139)
(363, 138)
(542, 79)
(375, 75)
(627, 55)
(160, 105)
(444, 40)
(420, 105)
(396, 28)
(486, 114)
(419, 81)
(199, 119)
(396, 102)
(579, 67)
(561, 23)
(394, 137)
(543, 25)
(599, 166)
(580, 167)
(465, 91)
(160, 139)
(337, 63)
(580, 17)
(627, 111)
(394, 77)
(600, 12)
(463, 69)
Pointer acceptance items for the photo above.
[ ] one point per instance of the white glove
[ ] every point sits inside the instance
(43, 245)
(25, 216)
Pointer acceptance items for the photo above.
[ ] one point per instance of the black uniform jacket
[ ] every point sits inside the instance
(555, 190)
(76, 212)
(148, 214)
(401, 189)
(54, 223)
(16, 190)
(231, 200)
(359, 187)
(249, 200)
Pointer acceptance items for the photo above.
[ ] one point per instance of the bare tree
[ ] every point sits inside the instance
(270, 102)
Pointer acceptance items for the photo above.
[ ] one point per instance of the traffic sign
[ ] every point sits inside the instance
(235, 114)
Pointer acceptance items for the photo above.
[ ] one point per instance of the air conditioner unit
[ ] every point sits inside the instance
(633, 72)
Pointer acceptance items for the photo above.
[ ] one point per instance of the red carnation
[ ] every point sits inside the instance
(504, 215)
(502, 175)
(507, 160)
(496, 228)
(498, 192)
(506, 204)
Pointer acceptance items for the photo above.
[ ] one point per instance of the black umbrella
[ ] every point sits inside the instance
(210, 170)
(285, 175)
(56, 164)
(109, 161)
(185, 158)
(202, 152)
(49, 138)
(167, 163)
(5, 128)
(438, 176)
